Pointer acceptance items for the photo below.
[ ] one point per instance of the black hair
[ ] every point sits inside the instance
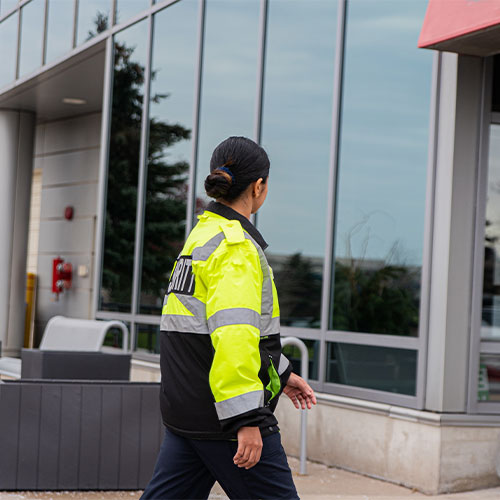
(235, 164)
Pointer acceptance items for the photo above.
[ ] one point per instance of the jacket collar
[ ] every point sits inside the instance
(227, 212)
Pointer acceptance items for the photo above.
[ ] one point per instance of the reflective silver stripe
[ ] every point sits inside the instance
(204, 252)
(239, 404)
(267, 326)
(283, 365)
(234, 316)
(193, 305)
(184, 324)
(272, 327)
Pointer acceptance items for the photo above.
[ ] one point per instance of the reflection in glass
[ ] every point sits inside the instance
(382, 169)
(125, 9)
(94, 17)
(30, 54)
(372, 367)
(147, 339)
(123, 167)
(490, 328)
(169, 153)
(229, 80)
(488, 388)
(296, 129)
(495, 100)
(8, 42)
(60, 28)
(114, 338)
(293, 354)
(7, 5)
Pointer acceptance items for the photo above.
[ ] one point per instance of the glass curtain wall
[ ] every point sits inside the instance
(169, 148)
(488, 385)
(8, 42)
(274, 81)
(94, 17)
(130, 53)
(228, 95)
(31, 40)
(60, 28)
(381, 189)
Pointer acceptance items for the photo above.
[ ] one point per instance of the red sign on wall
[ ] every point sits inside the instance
(449, 19)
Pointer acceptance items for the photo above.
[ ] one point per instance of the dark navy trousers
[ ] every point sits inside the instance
(188, 468)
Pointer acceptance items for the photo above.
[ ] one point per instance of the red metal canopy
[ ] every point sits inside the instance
(464, 26)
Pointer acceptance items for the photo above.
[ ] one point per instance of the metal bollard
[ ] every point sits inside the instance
(304, 368)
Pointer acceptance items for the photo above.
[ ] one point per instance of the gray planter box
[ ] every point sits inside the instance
(74, 365)
(73, 435)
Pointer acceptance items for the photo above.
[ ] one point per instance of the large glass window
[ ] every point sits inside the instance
(7, 5)
(123, 167)
(32, 26)
(372, 367)
(94, 17)
(8, 42)
(229, 79)
(169, 152)
(296, 128)
(382, 169)
(294, 356)
(125, 9)
(60, 23)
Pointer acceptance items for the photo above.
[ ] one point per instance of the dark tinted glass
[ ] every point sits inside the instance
(382, 169)
(30, 54)
(147, 339)
(382, 368)
(229, 79)
(125, 9)
(8, 42)
(94, 17)
(495, 106)
(296, 127)
(489, 378)
(124, 149)
(293, 354)
(169, 155)
(60, 28)
(490, 327)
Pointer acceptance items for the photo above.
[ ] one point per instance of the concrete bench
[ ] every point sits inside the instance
(69, 335)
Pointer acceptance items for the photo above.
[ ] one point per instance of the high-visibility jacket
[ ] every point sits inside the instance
(221, 361)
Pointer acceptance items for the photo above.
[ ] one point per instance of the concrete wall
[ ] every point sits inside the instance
(414, 448)
(67, 152)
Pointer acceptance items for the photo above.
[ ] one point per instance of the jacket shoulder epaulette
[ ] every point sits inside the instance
(233, 232)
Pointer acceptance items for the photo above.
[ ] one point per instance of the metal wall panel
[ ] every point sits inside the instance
(69, 449)
(29, 437)
(64, 168)
(110, 438)
(130, 430)
(50, 423)
(88, 473)
(10, 398)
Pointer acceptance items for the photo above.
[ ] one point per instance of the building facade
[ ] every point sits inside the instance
(381, 216)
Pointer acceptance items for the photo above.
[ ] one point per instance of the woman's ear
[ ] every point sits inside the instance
(257, 187)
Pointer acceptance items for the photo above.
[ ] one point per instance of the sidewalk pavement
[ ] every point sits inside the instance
(320, 483)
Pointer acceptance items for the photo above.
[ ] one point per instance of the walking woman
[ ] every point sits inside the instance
(221, 362)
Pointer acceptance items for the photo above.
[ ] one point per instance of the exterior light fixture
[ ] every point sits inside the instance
(74, 100)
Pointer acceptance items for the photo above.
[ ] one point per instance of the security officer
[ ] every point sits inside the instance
(221, 361)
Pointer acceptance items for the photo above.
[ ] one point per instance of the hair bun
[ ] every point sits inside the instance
(218, 183)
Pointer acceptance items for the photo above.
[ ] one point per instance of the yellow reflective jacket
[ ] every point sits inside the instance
(221, 361)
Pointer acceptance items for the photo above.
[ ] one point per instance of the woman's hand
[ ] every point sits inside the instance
(249, 447)
(300, 392)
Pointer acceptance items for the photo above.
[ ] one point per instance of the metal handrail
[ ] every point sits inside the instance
(304, 369)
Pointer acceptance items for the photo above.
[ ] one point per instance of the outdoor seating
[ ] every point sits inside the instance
(64, 336)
